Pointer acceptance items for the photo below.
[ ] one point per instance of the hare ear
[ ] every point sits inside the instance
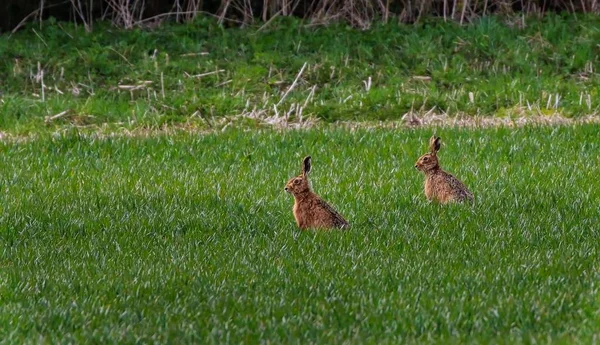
(434, 144)
(306, 166)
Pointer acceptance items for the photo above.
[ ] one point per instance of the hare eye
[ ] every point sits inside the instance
(297, 181)
(425, 159)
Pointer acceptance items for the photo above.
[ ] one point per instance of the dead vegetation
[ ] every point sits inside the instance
(212, 126)
(362, 14)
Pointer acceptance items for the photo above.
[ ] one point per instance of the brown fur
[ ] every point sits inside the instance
(439, 185)
(310, 210)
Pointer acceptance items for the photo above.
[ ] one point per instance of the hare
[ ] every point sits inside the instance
(440, 185)
(310, 210)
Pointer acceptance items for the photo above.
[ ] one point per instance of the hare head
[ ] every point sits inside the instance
(299, 184)
(429, 161)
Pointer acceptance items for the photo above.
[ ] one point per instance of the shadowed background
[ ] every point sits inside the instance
(359, 13)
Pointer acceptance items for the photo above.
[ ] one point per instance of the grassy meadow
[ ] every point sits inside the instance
(142, 176)
(203, 75)
(190, 238)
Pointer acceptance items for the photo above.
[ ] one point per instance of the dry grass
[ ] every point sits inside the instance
(409, 120)
(359, 13)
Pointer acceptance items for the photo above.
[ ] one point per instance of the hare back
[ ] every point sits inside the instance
(314, 212)
(444, 187)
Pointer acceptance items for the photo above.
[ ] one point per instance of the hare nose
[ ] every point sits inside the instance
(285, 189)
(416, 165)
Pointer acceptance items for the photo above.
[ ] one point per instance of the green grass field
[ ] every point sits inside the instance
(190, 239)
(203, 75)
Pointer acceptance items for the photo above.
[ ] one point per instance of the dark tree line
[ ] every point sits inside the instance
(360, 13)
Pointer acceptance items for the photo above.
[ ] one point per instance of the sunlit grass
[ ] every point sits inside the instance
(191, 238)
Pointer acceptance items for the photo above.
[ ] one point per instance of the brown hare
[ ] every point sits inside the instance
(439, 185)
(310, 210)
